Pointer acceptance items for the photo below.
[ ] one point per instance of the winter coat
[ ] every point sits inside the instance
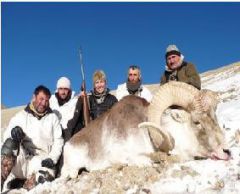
(77, 122)
(64, 112)
(96, 109)
(185, 73)
(45, 133)
(123, 91)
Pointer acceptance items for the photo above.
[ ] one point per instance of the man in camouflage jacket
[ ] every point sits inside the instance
(179, 70)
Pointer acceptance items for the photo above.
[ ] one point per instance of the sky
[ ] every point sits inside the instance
(40, 41)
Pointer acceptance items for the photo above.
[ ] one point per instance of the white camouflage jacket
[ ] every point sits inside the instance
(45, 133)
(122, 91)
(64, 112)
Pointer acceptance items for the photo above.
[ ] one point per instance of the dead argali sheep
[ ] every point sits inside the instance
(131, 130)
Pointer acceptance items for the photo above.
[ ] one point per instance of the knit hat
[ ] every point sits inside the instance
(172, 50)
(99, 75)
(63, 82)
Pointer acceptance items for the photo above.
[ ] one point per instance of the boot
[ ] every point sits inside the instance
(9, 154)
(44, 176)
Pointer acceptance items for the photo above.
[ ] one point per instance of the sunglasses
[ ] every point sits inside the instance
(134, 67)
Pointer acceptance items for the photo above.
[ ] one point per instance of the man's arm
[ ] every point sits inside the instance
(121, 91)
(57, 140)
(15, 121)
(163, 79)
(193, 76)
(77, 117)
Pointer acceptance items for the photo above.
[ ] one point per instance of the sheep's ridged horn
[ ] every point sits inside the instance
(171, 93)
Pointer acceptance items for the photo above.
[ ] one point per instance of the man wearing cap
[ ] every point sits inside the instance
(179, 70)
(133, 86)
(63, 104)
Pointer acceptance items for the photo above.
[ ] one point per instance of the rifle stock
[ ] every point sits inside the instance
(86, 113)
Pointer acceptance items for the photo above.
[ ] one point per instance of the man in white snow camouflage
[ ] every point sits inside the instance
(63, 103)
(133, 85)
(33, 142)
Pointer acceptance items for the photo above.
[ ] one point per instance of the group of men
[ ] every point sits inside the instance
(34, 139)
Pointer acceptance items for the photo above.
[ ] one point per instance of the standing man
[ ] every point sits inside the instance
(33, 141)
(63, 104)
(179, 70)
(133, 86)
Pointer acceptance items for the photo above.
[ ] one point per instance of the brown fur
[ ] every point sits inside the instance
(126, 114)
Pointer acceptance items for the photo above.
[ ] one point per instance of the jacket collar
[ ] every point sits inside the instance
(31, 110)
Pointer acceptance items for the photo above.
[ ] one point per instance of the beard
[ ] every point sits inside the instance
(133, 87)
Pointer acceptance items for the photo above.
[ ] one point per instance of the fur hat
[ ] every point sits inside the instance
(99, 75)
(172, 50)
(63, 82)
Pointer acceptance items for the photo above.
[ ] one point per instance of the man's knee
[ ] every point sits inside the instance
(9, 154)
(10, 148)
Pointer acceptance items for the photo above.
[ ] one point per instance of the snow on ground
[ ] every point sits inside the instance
(209, 176)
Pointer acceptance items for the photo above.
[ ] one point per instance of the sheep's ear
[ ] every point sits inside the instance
(161, 140)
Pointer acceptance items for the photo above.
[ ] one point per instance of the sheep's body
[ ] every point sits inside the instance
(132, 129)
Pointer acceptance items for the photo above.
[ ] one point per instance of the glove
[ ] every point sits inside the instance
(17, 134)
(48, 163)
(28, 147)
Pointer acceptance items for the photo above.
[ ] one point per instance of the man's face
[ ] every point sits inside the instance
(63, 93)
(100, 85)
(41, 102)
(133, 75)
(173, 61)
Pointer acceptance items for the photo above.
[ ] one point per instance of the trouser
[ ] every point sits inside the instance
(66, 136)
(9, 152)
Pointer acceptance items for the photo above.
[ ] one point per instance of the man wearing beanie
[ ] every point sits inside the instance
(63, 104)
(179, 70)
(133, 85)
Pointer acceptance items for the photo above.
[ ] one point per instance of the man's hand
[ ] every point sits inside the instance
(48, 163)
(17, 134)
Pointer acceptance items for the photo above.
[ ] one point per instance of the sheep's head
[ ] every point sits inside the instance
(202, 106)
(210, 135)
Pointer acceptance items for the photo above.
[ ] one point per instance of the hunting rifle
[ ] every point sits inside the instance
(86, 114)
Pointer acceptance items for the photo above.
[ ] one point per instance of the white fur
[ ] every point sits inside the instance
(186, 143)
(75, 157)
(133, 151)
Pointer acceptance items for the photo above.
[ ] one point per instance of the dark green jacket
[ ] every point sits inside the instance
(186, 73)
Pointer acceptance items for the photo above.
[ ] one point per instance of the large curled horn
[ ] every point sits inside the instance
(171, 93)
